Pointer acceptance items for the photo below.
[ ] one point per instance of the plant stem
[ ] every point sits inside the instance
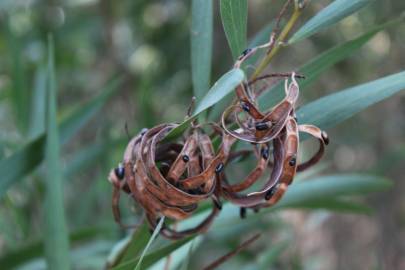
(286, 30)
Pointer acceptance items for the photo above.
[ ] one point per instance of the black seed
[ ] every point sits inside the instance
(325, 137)
(261, 126)
(245, 106)
(119, 172)
(219, 168)
(186, 158)
(265, 153)
(292, 161)
(242, 212)
(143, 131)
(245, 52)
(256, 210)
(218, 204)
(270, 193)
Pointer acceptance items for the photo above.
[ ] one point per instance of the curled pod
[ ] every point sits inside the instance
(258, 127)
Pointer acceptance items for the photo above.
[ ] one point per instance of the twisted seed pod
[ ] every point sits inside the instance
(185, 176)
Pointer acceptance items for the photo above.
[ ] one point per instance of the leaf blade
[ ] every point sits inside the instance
(333, 13)
(339, 106)
(234, 21)
(56, 242)
(224, 86)
(201, 45)
(31, 155)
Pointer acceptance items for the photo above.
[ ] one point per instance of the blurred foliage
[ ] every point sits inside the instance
(121, 63)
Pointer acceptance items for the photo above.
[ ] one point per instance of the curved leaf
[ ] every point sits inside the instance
(234, 21)
(336, 11)
(154, 256)
(337, 107)
(201, 45)
(224, 86)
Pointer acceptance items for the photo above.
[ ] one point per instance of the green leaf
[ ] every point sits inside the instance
(336, 205)
(315, 67)
(304, 194)
(35, 249)
(154, 256)
(267, 258)
(336, 11)
(30, 156)
(337, 107)
(234, 21)
(224, 86)
(19, 92)
(37, 115)
(201, 45)
(151, 239)
(330, 187)
(56, 240)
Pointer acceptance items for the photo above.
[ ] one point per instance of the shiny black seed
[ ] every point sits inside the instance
(245, 52)
(245, 107)
(219, 168)
(270, 193)
(292, 161)
(242, 212)
(261, 126)
(119, 172)
(186, 158)
(325, 137)
(218, 204)
(265, 153)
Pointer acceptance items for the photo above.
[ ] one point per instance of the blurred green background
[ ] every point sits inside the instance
(144, 48)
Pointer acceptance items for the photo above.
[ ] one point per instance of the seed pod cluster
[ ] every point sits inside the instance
(171, 179)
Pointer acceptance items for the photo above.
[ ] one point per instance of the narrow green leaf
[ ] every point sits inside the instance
(37, 115)
(154, 256)
(260, 38)
(201, 45)
(315, 67)
(333, 13)
(337, 107)
(336, 205)
(56, 240)
(26, 159)
(151, 239)
(19, 92)
(224, 86)
(329, 187)
(35, 249)
(267, 258)
(234, 21)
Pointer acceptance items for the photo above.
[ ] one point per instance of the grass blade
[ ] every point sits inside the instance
(337, 107)
(224, 86)
(333, 13)
(31, 155)
(201, 45)
(56, 240)
(234, 21)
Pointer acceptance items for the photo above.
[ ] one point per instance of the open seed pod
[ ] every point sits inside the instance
(259, 127)
(170, 179)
